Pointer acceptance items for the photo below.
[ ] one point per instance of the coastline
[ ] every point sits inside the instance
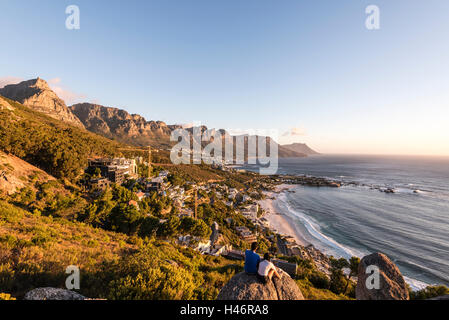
(277, 221)
(281, 224)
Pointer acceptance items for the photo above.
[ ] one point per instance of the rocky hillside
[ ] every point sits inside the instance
(300, 148)
(16, 174)
(119, 125)
(37, 95)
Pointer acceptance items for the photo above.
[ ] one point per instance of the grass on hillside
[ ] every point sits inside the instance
(35, 251)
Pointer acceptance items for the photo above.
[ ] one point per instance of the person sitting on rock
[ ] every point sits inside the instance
(266, 269)
(252, 259)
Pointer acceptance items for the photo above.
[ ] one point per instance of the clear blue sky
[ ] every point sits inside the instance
(310, 65)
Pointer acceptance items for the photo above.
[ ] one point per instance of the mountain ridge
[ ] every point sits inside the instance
(120, 125)
(109, 122)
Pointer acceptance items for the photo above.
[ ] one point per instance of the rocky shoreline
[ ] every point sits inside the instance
(312, 181)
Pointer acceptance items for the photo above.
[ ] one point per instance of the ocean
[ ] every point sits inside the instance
(411, 226)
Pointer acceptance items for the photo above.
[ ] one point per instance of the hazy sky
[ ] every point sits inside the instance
(307, 67)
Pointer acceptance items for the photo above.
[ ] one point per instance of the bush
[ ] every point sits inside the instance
(319, 280)
(338, 281)
(429, 292)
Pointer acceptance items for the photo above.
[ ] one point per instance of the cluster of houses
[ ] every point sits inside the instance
(118, 170)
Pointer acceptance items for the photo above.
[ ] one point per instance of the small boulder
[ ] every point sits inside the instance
(392, 285)
(52, 294)
(247, 287)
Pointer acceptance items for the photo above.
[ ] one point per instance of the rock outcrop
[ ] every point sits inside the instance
(5, 104)
(52, 294)
(37, 95)
(247, 287)
(392, 285)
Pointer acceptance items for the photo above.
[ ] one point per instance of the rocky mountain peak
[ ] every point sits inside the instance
(37, 94)
(40, 83)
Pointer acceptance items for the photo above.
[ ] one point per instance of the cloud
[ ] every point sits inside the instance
(4, 81)
(64, 93)
(68, 96)
(54, 81)
(294, 132)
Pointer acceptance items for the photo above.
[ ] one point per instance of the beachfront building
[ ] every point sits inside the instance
(246, 234)
(250, 211)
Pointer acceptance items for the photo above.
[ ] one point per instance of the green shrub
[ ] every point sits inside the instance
(338, 281)
(319, 280)
(429, 292)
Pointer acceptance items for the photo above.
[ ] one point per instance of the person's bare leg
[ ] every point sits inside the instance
(276, 274)
(270, 274)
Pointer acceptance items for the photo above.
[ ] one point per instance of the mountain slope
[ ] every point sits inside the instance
(16, 174)
(300, 148)
(35, 251)
(37, 95)
(56, 147)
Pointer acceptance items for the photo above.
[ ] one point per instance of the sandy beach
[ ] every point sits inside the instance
(278, 221)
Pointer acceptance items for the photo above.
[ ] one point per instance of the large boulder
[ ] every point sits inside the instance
(247, 287)
(53, 294)
(392, 285)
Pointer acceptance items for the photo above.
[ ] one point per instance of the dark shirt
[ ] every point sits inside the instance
(251, 260)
